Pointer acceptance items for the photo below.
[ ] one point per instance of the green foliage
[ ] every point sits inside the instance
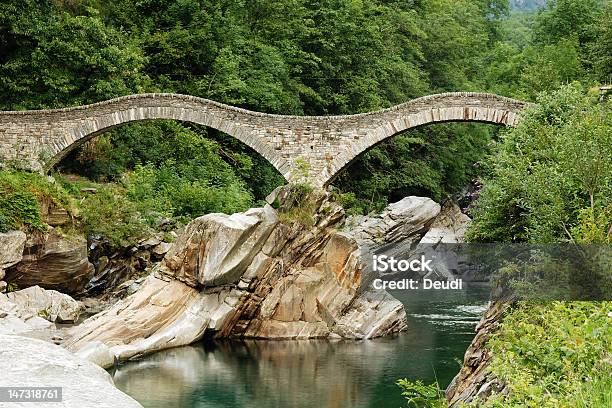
(435, 162)
(192, 154)
(169, 191)
(20, 198)
(553, 165)
(12, 287)
(297, 57)
(294, 56)
(21, 210)
(554, 355)
(568, 18)
(350, 202)
(110, 214)
(37, 38)
(594, 226)
(419, 395)
(602, 47)
(5, 222)
(559, 273)
(567, 41)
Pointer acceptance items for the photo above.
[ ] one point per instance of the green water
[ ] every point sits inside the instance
(311, 373)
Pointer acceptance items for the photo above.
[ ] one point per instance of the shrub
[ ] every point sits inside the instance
(171, 191)
(110, 214)
(419, 395)
(555, 354)
(555, 164)
(20, 196)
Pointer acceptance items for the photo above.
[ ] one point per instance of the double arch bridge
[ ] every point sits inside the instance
(302, 148)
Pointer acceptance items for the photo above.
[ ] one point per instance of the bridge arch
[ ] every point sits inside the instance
(114, 113)
(326, 144)
(438, 108)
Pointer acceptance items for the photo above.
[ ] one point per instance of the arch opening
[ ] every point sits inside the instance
(172, 168)
(437, 160)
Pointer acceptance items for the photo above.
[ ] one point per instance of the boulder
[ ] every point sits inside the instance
(405, 221)
(33, 311)
(327, 299)
(36, 363)
(162, 249)
(53, 261)
(11, 249)
(216, 249)
(50, 304)
(449, 227)
(160, 315)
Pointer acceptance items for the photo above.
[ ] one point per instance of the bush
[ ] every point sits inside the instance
(174, 192)
(20, 196)
(350, 202)
(21, 210)
(110, 214)
(554, 165)
(554, 355)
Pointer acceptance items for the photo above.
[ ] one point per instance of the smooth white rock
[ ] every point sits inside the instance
(36, 363)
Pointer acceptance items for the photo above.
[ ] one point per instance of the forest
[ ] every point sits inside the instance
(548, 180)
(292, 57)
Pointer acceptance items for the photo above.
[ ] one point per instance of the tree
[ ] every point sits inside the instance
(50, 58)
(548, 172)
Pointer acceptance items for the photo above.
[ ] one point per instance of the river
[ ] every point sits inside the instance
(312, 373)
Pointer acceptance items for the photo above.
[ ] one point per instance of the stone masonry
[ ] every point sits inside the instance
(311, 148)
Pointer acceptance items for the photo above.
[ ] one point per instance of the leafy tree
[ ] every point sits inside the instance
(547, 171)
(49, 58)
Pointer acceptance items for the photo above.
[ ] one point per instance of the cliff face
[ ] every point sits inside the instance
(248, 275)
(473, 380)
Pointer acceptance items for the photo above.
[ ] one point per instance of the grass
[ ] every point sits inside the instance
(299, 206)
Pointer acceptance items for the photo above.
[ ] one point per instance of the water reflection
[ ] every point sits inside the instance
(260, 373)
(308, 373)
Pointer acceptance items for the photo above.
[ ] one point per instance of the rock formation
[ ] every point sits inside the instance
(412, 227)
(36, 363)
(474, 381)
(33, 311)
(117, 268)
(55, 306)
(53, 261)
(405, 221)
(449, 227)
(248, 275)
(11, 252)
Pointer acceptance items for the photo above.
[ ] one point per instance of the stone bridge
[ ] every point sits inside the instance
(315, 148)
